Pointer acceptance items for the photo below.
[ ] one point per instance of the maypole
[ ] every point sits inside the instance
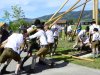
(64, 13)
(57, 11)
(69, 11)
(95, 10)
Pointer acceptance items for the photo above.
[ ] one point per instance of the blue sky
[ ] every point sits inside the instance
(38, 8)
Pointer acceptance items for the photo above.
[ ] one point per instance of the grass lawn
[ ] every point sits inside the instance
(65, 47)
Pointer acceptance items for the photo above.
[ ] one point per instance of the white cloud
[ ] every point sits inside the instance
(33, 8)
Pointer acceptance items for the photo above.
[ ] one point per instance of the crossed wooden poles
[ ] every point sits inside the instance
(54, 19)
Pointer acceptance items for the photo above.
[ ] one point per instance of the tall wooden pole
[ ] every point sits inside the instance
(96, 7)
(60, 16)
(95, 10)
(58, 10)
(69, 11)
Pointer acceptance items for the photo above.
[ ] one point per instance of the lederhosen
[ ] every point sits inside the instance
(33, 44)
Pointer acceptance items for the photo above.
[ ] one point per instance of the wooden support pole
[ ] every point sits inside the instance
(96, 10)
(93, 9)
(57, 11)
(64, 13)
(69, 10)
(87, 59)
(79, 19)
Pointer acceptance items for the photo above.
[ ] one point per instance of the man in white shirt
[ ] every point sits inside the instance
(43, 47)
(12, 48)
(69, 32)
(95, 42)
(94, 25)
(55, 28)
(83, 37)
(50, 38)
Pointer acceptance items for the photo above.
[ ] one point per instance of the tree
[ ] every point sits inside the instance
(17, 12)
(18, 15)
(6, 15)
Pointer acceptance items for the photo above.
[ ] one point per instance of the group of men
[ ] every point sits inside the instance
(90, 37)
(12, 46)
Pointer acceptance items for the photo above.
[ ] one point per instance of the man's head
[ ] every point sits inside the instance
(40, 27)
(93, 22)
(46, 27)
(95, 30)
(24, 32)
(87, 28)
(37, 22)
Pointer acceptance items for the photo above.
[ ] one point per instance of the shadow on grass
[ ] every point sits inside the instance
(75, 52)
(66, 51)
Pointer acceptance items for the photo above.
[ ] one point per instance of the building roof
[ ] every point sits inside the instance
(61, 22)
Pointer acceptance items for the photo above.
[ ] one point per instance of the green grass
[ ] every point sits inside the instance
(65, 47)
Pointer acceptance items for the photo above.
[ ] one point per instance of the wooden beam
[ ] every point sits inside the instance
(69, 11)
(64, 13)
(96, 10)
(87, 59)
(79, 19)
(57, 11)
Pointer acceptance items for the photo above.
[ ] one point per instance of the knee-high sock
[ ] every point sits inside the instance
(33, 61)
(24, 60)
(97, 51)
(17, 67)
(6, 64)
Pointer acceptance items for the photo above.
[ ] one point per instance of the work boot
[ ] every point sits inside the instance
(52, 65)
(5, 72)
(22, 68)
(31, 71)
(41, 62)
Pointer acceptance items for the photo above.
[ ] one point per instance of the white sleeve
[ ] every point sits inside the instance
(80, 33)
(94, 37)
(37, 34)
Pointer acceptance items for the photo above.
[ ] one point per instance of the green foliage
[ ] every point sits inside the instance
(17, 12)
(18, 15)
(6, 15)
(13, 26)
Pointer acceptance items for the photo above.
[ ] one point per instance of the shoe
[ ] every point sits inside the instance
(5, 72)
(41, 62)
(74, 46)
(31, 71)
(15, 74)
(52, 65)
(22, 68)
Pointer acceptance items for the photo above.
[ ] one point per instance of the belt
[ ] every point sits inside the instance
(44, 46)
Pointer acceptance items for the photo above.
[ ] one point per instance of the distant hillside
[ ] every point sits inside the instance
(72, 15)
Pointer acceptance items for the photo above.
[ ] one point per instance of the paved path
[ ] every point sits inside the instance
(61, 68)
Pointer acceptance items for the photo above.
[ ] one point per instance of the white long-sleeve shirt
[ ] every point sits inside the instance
(42, 37)
(14, 41)
(96, 36)
(50, 37)
(94, 26)
(82, 33)
(83, 36)
(69, 29)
